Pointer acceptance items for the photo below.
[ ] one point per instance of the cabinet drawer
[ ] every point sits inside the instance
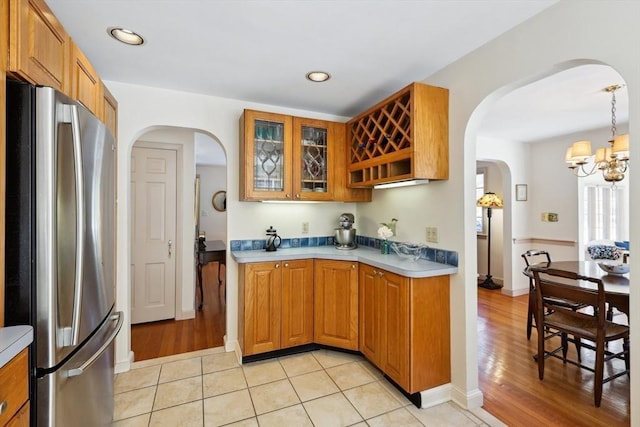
(14, 388)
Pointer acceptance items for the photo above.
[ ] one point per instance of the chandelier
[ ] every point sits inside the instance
(612, 160)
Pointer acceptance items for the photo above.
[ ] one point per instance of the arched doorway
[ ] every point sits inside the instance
(551, 188)
(185, 143)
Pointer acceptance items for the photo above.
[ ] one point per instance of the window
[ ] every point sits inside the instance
(479, 192)
(604, 213)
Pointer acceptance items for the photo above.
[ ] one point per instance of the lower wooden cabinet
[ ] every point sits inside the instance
(276, 305)
(14, 391)
(404, 327)
(336, 303)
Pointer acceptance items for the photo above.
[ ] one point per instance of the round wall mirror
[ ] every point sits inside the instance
(219, 201)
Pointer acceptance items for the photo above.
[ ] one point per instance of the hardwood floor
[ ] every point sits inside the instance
(168, 337)
(508, 375)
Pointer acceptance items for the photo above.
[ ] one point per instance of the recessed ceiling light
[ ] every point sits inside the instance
(125, 36)
(318, 76)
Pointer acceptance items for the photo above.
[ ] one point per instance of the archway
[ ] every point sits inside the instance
(540, 168)
(185, 140)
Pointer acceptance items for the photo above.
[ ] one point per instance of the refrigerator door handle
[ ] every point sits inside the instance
(71, 111)
(117, 316)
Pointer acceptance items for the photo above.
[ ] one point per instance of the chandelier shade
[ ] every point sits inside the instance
(612, 160)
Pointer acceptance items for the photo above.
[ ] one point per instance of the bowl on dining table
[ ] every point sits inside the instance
(617, 268)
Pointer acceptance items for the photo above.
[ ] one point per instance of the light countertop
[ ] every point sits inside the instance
(373, 257)
(14, 339)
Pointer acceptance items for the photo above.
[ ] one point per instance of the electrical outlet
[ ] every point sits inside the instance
(305, 228)
(432, 234)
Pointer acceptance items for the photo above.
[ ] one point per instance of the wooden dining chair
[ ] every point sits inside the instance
(532, 257)
(552, 284)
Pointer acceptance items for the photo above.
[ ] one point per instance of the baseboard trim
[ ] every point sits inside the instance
(468, 400)
(124, 366)
(435, 396)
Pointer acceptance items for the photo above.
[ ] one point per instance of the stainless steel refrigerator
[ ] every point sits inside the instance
(59, 272)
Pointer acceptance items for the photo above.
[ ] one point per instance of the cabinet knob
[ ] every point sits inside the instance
(286, 265)
(297, 196)
(380, 273)
(288, 196)
(277, 265)
(353, 266)
(3, 406)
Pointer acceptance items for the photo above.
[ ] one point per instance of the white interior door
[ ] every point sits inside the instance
(153, 216)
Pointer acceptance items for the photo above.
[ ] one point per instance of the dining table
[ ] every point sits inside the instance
(209, 251)
(616, 286)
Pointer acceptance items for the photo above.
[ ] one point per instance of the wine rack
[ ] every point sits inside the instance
(403, 137)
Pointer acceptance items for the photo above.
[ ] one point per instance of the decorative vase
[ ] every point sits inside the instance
(384, 247)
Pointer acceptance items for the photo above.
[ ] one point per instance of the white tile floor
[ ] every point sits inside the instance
(319, 388)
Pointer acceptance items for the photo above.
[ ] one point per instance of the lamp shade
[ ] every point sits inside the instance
(581, 151)
(621, 146)
(489, 200)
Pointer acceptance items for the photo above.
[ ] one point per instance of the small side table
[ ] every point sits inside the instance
(213, 250)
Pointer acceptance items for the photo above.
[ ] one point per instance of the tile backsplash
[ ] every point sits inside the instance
(431, 254)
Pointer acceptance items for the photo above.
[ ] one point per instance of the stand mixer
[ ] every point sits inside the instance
(345, 235)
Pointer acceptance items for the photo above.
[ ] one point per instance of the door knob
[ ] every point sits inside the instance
(169, 243)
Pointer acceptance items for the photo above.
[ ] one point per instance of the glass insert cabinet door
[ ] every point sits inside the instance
(314, 159)
(312, 141)
(268, 159)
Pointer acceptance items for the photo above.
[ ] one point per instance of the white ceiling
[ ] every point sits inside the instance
(260, 50)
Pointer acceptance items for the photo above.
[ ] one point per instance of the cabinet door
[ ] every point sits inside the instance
(370, 298)
(297, 302)
(38, 44)
(265, 156)
(109, 111)
(395, 315)
(262, 305)
(313, 155)
(336, 303)
(86, 86)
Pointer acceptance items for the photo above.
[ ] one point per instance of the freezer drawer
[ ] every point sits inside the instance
(80, 392)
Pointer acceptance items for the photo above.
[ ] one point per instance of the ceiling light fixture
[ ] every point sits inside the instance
(318, 76)
(125, 36)
(612, 160)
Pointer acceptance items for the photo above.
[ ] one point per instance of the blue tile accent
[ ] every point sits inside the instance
(452, 258)
(430, 254)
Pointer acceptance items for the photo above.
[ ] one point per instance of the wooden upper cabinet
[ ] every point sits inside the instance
(86, 86)
(313, 157)
(293, 158)
(38, 45)
(404, 137)
(265, 156)
(109, 111)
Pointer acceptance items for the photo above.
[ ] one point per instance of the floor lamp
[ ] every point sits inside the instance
(489, 201)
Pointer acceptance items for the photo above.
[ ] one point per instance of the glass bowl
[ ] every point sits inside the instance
(410, 251)
(614, 267)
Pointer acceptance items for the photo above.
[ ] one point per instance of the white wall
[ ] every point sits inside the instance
(212, 222)
(568, 31)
